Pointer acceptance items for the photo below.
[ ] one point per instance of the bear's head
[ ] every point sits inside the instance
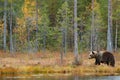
(93, 54)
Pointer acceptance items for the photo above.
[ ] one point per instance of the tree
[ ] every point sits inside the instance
(29, 11)
(116, 19)
(53, 6)
(64, 16)
(96, 26)
(109, 31)
(44, 29)
(92, 26)
(116, 37)
(5, 24)
(36, 42)
(11, 39)
(75, 34)
(84, 21)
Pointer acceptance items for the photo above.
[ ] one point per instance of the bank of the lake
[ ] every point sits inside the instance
(50, 63)
(79, 70)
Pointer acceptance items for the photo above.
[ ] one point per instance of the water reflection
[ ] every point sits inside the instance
(76, 78)
(62, 78)
(97, 78)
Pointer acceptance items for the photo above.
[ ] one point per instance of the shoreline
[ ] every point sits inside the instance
(50, 63)
(80, 70)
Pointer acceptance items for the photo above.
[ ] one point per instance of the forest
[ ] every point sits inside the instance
(44, 29)
(39, 25)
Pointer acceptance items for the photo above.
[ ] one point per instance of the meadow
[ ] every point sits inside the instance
(50, 63)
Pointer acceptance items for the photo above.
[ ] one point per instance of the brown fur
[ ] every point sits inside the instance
(108, 58)
(103, 57)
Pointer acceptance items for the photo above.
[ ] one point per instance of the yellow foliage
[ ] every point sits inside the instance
(29, 8)
(96, 5)
(1, 27)
(21, 29)
(29, 11)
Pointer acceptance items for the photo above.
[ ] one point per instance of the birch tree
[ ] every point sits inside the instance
(29, 11)
(116, 18)
(116, 37)
(11, 40)
(109, 31)
(96, 26)
(75, 34)
(36, 41)
(28, 34)
(5, 24)
(92, 26)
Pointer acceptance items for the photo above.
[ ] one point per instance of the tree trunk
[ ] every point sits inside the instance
(65, 39)
(5, 24)
(44, 38)
(109, 31)
(36, 41)
(92, 26)
(91, 43)
(62, 46)
(65, 30)
(116, 37)
(11, 40)
(28, 37)
(75, 34)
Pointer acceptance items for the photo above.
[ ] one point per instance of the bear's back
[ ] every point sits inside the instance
(107, 54)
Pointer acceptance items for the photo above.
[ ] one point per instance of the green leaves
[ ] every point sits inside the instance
(64, 15)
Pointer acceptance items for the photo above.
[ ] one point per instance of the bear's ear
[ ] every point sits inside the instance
(98, 51)
(93, 52)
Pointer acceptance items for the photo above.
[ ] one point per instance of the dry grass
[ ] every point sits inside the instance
(51, 63)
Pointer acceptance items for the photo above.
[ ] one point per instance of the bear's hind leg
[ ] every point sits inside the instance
(107, 62)
(112, 63)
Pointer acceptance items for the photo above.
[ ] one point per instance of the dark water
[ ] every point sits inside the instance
(39, 77)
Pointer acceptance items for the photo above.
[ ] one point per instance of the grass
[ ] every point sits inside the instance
(49, 63)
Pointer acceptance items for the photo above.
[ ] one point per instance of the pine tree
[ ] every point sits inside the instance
(63, 20)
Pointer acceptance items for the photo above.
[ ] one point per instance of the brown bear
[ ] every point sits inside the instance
(102, 57)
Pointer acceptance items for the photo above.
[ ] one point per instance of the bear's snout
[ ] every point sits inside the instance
(90, 57)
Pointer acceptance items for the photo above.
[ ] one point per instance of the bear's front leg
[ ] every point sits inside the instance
(97, 62)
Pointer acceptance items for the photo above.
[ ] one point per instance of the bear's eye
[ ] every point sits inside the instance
(93, 52)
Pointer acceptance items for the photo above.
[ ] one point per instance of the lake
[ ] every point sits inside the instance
(53, 77)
